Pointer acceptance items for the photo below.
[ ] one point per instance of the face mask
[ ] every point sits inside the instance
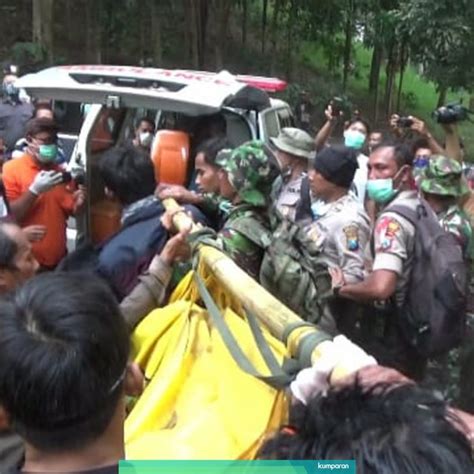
(145, 139)
(380, 190)
(48, 153)
(421, 161)
(319, 208)
(354, 139)
(10, 90)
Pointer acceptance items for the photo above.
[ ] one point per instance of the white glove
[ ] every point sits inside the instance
(45, 180)
(340, 354)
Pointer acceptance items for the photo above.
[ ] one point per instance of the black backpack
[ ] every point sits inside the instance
(433, 315)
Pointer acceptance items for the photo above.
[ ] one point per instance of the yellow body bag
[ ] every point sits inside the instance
(198, 403)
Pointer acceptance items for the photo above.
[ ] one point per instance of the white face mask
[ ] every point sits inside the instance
(145, 139)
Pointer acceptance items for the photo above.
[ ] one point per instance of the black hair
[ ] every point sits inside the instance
(40, 125)
(387, 429)
(8, 248)
(64, 348)
(211, 147)
(419, 143)
(147, 120)
(356, 119)
(128, 172)
(403, 154)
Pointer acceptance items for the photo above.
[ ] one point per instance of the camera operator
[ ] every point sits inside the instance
(356, 132)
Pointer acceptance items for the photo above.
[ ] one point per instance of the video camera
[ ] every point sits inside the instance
(451, 113)
(404, 122)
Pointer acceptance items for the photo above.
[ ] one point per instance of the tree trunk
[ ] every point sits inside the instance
(442, 91)
(244, 21)
(390, 71)
(221, 11)
(43, 27)
(289, 55)
(403, 64)
(347, 45)
(375, 67)
(194, 32)
(92, 37)
(157, 51)
(201, 17)
(188, 36)
(274, 33)
(264, 23)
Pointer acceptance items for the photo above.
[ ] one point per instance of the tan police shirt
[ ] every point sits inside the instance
(394, 241)
(289, 197)
(342, 233)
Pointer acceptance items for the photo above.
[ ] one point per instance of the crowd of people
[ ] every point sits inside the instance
(338, 232)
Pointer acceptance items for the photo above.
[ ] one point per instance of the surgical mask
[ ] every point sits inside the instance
(319, 208)
(145, 138)
(10, 90)
(421, 161)
(48, 153)
(380, 190)
(354, 139)
(225, 206)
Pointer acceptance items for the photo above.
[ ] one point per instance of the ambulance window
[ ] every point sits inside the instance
(106, 129)
(271, 124)
(285, 118)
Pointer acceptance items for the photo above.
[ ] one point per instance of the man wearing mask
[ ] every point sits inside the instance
(13, 112)
(37, 194)
(294, 149)
(341, 233)
(389, 184)
(144, 134)
(356, 132)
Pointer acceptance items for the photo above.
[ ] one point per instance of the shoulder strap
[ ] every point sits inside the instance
(303, 209)
(256, 231)
(279, 378)
(410, 215)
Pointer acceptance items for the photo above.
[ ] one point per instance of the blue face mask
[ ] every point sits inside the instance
(354, 139)
(319, 208)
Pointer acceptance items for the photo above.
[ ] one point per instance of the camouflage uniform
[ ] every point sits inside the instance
(289, 195)
(251, 170)
(443, 177)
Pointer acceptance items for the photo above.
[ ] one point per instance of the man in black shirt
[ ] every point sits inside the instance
(64, 374)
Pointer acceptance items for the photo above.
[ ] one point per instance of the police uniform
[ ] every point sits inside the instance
(393, 248)
(394, 241)
(292, 197)
(342, 234)
(288, 196)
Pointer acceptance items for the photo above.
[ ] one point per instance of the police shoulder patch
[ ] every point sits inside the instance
(387, 229)
(352, 237)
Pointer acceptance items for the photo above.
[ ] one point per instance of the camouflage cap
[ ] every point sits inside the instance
(251, 168)
(443, 176)
(295, 142)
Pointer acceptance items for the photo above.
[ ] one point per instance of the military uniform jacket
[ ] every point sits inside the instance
(342, 234)
(454, 221)
(242, 237)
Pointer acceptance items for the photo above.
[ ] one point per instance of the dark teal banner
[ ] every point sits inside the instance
(237, 467)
